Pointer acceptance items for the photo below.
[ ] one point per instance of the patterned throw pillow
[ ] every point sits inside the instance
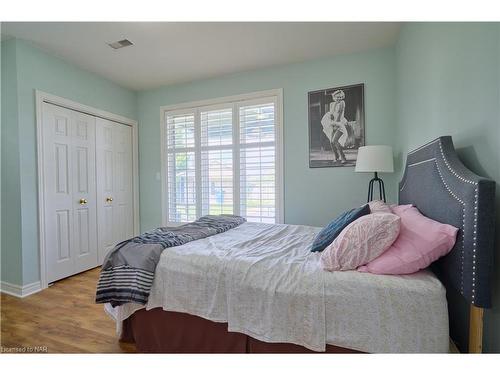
(379, 206)
(361, 241)
(332, 230)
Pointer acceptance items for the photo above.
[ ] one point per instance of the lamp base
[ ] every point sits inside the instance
(381, 188)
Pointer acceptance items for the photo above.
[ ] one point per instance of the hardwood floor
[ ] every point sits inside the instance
(63, 319)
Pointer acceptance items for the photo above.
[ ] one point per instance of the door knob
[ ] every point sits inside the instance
(83, 201)
(109, 199)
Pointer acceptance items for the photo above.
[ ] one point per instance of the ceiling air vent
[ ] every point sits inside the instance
(120, 44)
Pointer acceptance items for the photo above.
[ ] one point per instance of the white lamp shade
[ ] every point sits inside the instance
(375, 159)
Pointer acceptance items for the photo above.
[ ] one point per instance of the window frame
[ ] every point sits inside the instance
(235, 101)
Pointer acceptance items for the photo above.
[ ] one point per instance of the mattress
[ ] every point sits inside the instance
(263, 281)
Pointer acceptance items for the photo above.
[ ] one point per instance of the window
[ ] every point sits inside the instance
(223, 158)
(181, 167)
(216, 161)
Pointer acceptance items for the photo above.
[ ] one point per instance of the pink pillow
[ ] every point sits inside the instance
(379, 206)
(421, 241)
(361, 241)
(398, 209)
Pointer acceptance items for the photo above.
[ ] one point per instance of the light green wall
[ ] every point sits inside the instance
(37, 69)
(11, 257)
(311, 196)
(448, 78)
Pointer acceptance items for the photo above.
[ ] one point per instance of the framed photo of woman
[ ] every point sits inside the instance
(336, 126)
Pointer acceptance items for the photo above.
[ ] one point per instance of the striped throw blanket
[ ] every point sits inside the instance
(128, 270)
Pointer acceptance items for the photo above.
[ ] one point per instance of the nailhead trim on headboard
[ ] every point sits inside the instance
(423, 146)
(475, 221)
(463, 227)
(463, 179)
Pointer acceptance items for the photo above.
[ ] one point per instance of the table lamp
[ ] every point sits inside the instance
(375, 159)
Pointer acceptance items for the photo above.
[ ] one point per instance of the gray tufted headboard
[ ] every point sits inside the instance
(442, 188)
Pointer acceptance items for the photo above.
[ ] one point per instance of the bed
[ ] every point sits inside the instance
(258, 289)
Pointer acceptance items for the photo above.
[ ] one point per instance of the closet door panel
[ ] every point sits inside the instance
(57, 143)
(123, 199)
(114, 184)
(84, 193)
(105, 187)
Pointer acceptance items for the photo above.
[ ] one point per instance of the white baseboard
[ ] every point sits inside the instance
(20, 291)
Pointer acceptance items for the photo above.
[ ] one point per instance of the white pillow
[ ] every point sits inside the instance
(361, 241)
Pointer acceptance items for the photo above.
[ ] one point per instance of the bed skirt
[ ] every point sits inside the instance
(160, 331)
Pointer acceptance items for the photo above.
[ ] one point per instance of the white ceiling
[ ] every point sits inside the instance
(166, 53)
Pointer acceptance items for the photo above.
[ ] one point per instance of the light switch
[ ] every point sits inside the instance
(158, 176)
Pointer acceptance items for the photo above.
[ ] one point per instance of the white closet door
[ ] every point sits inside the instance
(84, 193)
(105, 186)
(114, 184)
(69, 183)
(123, 198)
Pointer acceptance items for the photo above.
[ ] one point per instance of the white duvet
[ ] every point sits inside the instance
(263, 280)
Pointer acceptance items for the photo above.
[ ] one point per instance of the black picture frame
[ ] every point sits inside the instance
(343, 122)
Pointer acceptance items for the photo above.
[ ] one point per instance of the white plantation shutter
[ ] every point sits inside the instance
(258, 162)
(216, 161)
(223, 159)
(181, 169)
